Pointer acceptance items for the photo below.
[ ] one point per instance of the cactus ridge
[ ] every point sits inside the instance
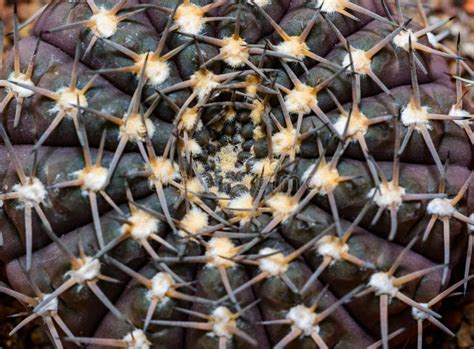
(272, 173)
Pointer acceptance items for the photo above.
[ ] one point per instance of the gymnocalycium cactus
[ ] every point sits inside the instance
(229, 174)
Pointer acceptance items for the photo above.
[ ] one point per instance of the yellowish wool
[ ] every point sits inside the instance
(135, 129)
(234, 51)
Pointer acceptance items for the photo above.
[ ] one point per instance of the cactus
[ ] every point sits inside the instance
(272, 173)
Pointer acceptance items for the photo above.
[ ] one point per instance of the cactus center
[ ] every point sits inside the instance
(282, 205)
(189, 18)
(383, 284)
(360, 61)
(156, 72)
(413, 116)
(203, 82)
(222, 320)
(274, 262)
(285, 142)
(67, 100)
(386, 195)
(164, 171)
(161, 283)
(193, 222)
(332, 246)
(441, 207)
(235, 51)
(358, 125)
(18, 90)
(105, 23)
(135, 128)
(32, 193)
(219, 247)
(141, 225)
(292, 47)
(303, 319)
(51, 306)
(324, 179)
(89, 270)
(418, 314)
(402, 40)
(460, 112)
(136, 340)
(93, 178)
(301, 99)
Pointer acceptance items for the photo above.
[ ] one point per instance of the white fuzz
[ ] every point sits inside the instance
(30, 194)
(243, 203)
(189, 119)
(67, 100)
(161, 283)
(18, 90)
(418, 314)
(189, 18)
(414, 116)
(387, 195)
(258, 133)
(324, 179)
(93, 178)
(89, 270)
(257, 112)
(283, 142)
(357, 126)
(142, 225)
(191, 146)
(330, 6)
(292, 47)
(194, 187)
(156, 70)
(460, 112)
(137, 340)
(265, 167)
(135, 129)
(303, 319)
(164, 171)
(402, 40)
(105, 23)
(440, 207)
(222, 320)
(331, 246)
(275, 264)
(204, 82)
(193, 222)
(235, 51)
(51, 306)
(252, 82)
(282, 205)
(383, 284)
(300, 99)
(263, 3)
(219, 247)
(359, 59)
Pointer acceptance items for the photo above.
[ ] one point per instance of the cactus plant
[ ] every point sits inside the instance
(273, 173)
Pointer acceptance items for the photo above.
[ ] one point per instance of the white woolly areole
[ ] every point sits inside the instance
(219, 247)
(105, 23)
(194, 187)
(330, 6)
(265, 167)
(67, 100)
(243, 204)
(324, 179)
(234, 51)
(387, 195)
(360, 60)
(275, 264)
(51, 306)
(257, 112)
(190, 147)
(252, 83)
(93, 178)
(161, 283)
(204, 82)
(358, 125)
(414, 116)
(300, 99)
(263, 3)
(383, 284)
(89, 270)
(18, 90)
(292, 47)
(194, 221)
(189, 18)
(30, 194)
(189, 119)
(283, 142)
(282, 205)
(222, 320)
(135, 129)
(402, 40)
(460, 112)
(331, 246)
(303, 319)
(137, 340)
(441, 207)
(156, 72)
(418, 314)
(142, 225)
(164, 171)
